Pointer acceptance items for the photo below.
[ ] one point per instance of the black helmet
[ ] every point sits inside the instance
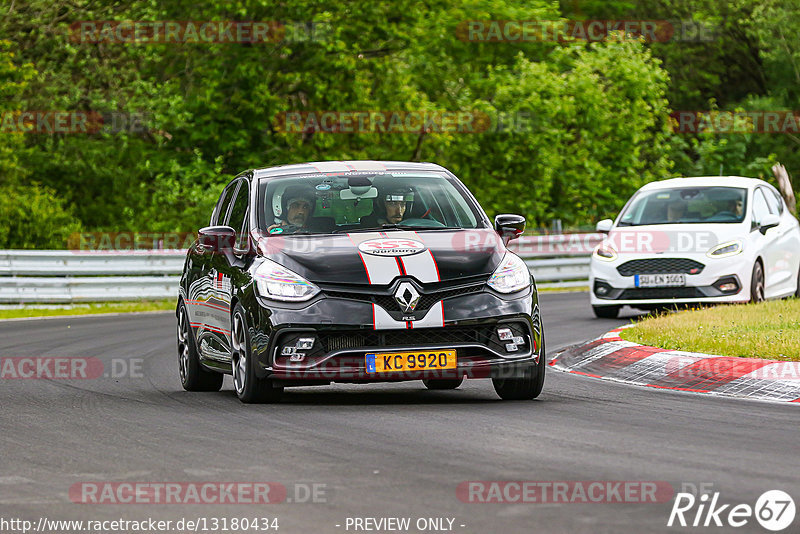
(294, 192)
(394, 194)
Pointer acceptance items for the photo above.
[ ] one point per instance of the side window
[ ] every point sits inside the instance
(760, 207)
(239, 212)
(775, 201)
(218, 217)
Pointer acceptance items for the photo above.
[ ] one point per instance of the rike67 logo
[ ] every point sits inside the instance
(774, 510)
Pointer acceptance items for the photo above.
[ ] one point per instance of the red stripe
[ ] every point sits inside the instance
(409, 324)
(212, 328)
(442, 302)
(374, 326)
(709, 374)
(586, 374)
(204, 303)
(622, 357)
(400, 265)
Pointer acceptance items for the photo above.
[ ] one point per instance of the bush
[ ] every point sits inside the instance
(33, 216)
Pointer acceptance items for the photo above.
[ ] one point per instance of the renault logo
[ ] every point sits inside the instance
(406, 296)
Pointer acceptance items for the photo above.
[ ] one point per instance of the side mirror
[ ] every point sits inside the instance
(769, 221)
(604, 226)
(509, 226)
(216, 238)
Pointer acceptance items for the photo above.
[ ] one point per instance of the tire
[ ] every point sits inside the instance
(526, 387)
(443, 383)
(757, 283)
(193, 376)
(606, 312)
(249, 388)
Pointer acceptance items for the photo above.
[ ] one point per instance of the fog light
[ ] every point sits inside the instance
(511, 347)
(287, 351)
(518, 340)
(728, 287)
(505, 334)
(602, 290)
(305, 343)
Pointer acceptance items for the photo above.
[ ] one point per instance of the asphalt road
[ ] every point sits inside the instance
(377, 450)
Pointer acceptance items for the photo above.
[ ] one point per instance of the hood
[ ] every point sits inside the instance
(377, 258)
(674, 238)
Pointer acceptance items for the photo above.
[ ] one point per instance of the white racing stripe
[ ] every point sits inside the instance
(380, 270)
(421, 266)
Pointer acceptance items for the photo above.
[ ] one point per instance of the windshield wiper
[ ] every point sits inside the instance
(400, 227)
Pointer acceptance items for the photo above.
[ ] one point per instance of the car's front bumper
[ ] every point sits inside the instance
(345, 331)
(610, 288)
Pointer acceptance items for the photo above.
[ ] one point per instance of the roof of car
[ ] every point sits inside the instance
(324, 167)
(699, 181)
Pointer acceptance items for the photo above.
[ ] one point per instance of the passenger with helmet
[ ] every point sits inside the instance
(390, 207)
(297, 203)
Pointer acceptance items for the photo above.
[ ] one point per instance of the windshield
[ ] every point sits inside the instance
(324, 204)
(686, 205)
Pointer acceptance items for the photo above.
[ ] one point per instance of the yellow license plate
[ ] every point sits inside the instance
(424, 360)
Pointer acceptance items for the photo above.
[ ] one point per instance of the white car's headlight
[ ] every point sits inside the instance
(605, 252)
(276, 282)
(511, 275)
(731, 248)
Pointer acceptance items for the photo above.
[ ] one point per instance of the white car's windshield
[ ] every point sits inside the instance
(323, 204)
(686, 205)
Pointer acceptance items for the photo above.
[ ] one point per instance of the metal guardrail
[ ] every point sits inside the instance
(66, 276)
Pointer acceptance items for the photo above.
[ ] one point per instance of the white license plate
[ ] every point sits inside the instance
(660, 280)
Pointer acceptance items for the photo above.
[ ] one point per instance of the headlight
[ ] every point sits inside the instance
(276, 282)
(605, 252)
(511, 275)
(731, 248)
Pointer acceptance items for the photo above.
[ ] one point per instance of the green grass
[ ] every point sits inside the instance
(90, 308)
(579, 289)
(768, 330)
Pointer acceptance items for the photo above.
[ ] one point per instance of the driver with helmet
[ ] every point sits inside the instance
(390, 207)
(298, 203)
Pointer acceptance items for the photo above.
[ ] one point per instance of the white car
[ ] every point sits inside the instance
(696, 240)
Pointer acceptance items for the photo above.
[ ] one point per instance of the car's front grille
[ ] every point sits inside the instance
(661, 293)
(468, 341)
(482, 335)
(660, 266)
(387, 301)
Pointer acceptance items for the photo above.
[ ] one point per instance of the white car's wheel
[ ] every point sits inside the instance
(757, 283)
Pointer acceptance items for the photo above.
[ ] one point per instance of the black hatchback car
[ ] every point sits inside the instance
(357, 272)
